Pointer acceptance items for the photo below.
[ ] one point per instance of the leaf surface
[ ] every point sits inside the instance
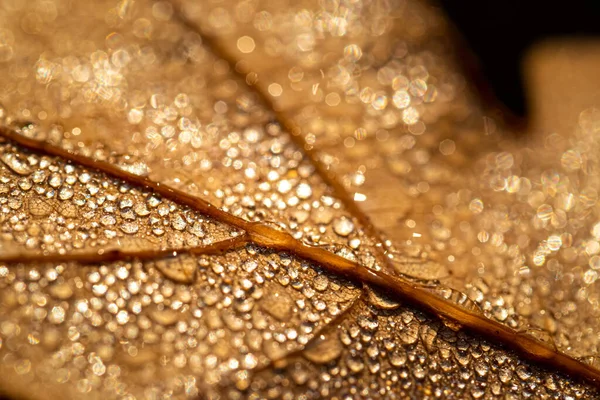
(387, 130)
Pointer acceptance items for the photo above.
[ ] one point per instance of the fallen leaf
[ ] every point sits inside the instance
(199, 199)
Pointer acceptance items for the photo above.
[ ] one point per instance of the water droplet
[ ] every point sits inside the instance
(304, 191)
(108, 220)
(523, 373)
(137, 168)
(57, 315)
(250, 266)
(457, 297)
(126, 202)
(571, 160)
(166, 316)
(129, 227)
(367, 323)
(410, 116)
(352, 52)
(25, 184)
(40, 207)
(593, 361)
(541, 335)
(428, 337)
(545, 212)
(505, 375)
(355, 364)
(381, 300)
(153, 201)
(141, 209)
(17, 163)
(178, 221)
(55, 180)
(85, 177)
(398, 357)
(324, 349)
(163, 210)
(343, 226)
(410, 333)
(322, 216)
(181, 269)
(401, 99)
(278, 304)
(284, 186)
(421, 269)
(500, 313)
(450, 324)
(65, 193)
(481, 368)
(61, 291)
(320, 282)
(122, 317)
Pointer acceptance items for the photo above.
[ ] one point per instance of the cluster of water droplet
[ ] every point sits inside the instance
(49, 205)
(378, 353)
(387, 114)
(514, 231)
(124, 322)
(210, 138)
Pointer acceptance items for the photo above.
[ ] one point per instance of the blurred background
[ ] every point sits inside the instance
(500, 36)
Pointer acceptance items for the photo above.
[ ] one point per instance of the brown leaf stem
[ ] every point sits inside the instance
(113, 255)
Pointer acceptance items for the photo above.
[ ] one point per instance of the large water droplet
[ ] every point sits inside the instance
(381, 300)
(181, 269)
(61, 291)
(409, 334)
(324, 349)
(129, 227)
(541, 335)
(40, 207)
(166, 316)
(343, 226)
(593, 361)
(277, 304)
(426, 270)
(17, 163)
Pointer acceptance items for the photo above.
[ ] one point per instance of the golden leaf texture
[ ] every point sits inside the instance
(281, 199)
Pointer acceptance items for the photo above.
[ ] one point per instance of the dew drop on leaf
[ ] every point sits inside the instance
(165, 316)
(61, 291)
(381, 300)
(129, 227)
(343, 226)
(324, 349)
(16, 163)
(277, 304)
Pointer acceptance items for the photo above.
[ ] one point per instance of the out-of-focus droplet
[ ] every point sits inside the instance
(324, 349)
(278, 304)
(343, 226)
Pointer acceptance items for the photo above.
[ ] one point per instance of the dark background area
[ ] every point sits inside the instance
(497, 34)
